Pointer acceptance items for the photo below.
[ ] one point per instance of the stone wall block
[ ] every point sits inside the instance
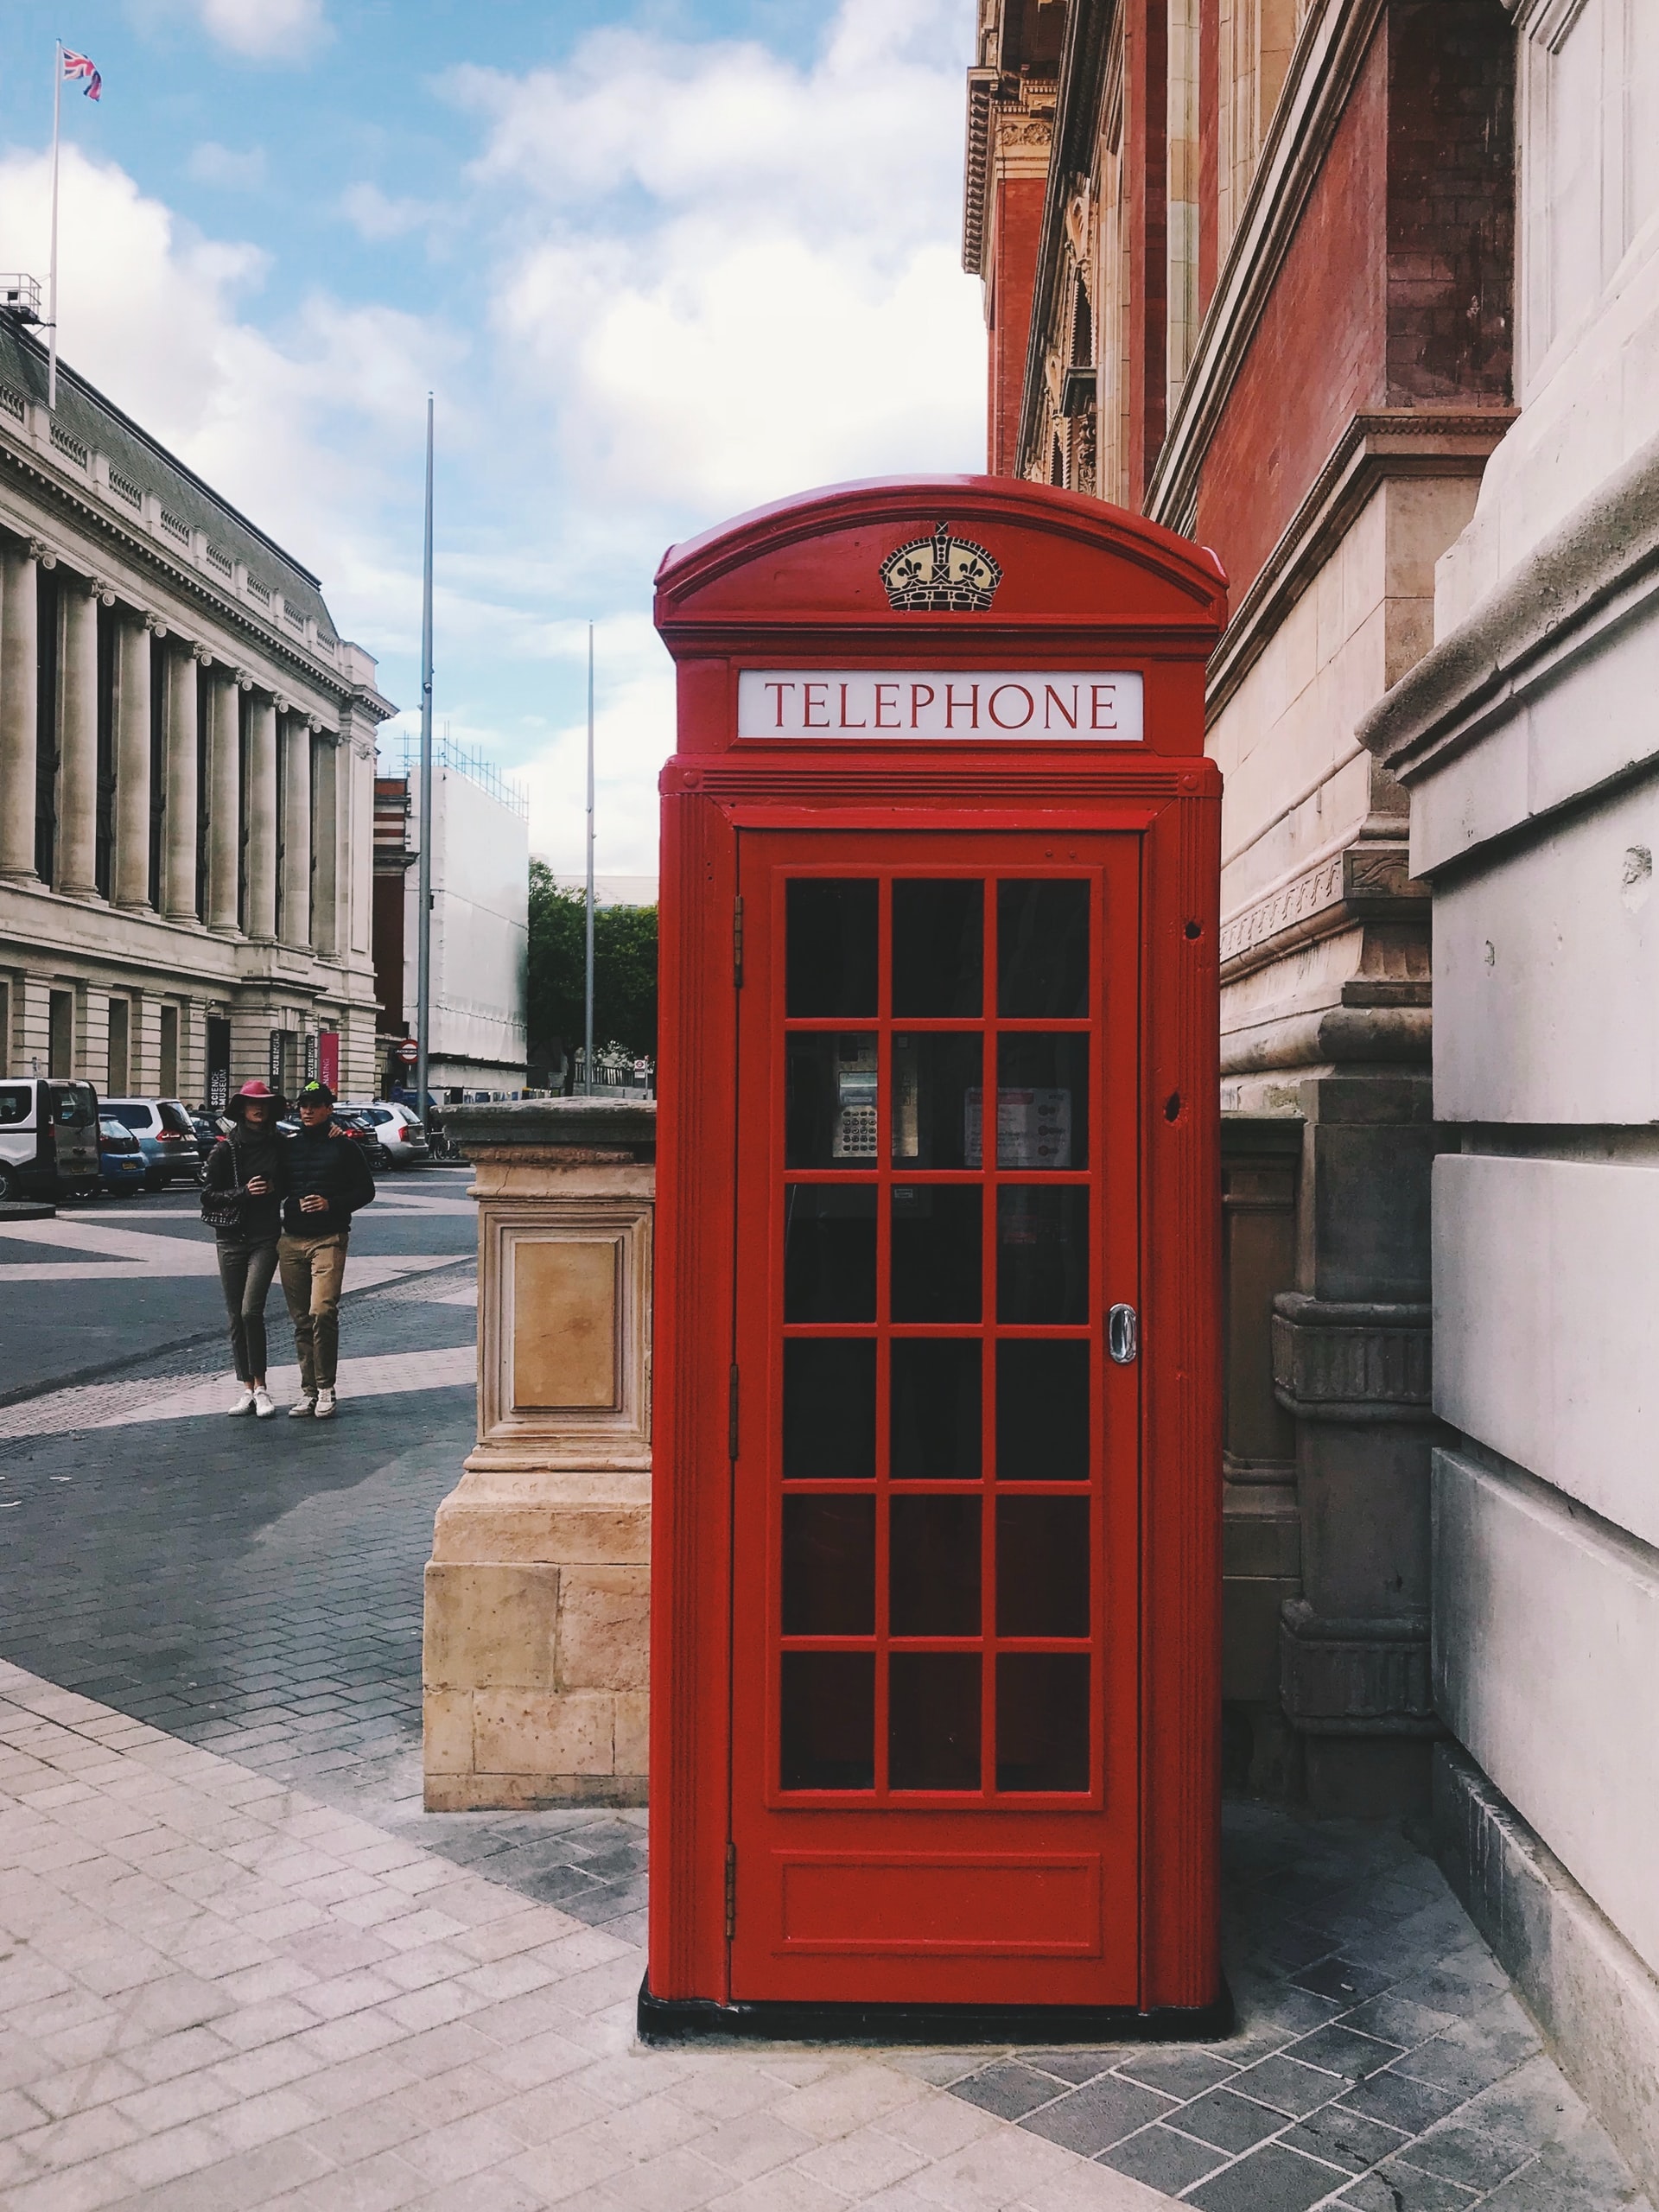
(632, 1733)
(1348, 1360)
(604, 1628)
(491, 1625)
(446, 1729)
(522, 1732)
(600, 1535)
(1356, 1678)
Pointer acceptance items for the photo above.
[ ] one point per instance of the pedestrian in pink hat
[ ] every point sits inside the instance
(243, 1191)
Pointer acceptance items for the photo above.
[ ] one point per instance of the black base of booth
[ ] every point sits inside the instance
(687, 2019)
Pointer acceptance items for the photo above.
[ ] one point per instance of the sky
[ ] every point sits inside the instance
(658, 263)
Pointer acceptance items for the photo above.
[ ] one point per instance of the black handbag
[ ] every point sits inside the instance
(225, 1209)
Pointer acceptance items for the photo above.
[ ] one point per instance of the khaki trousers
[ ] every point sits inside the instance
(313, 1269)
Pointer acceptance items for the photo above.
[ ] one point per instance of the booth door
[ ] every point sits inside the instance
(934, 1743)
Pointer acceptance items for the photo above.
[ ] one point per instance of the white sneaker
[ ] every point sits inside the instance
(245, 1402)
(264, 1406)
(302, 1409)
(324, 1405)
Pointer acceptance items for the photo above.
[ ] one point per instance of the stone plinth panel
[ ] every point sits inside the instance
(537, 1592)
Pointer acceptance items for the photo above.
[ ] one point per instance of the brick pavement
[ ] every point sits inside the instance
(240, 1616)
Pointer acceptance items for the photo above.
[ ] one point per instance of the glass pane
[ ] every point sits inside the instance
(832, 936)
(933, 1565)
(935, 1252)
(938, 947)
(829, 1099)
(828, 1410)
(828, 1253)
(829, 1564)
(1042, 1411)
(936, 1409)
(1042, 1100)
(829, 1721)
(1042, 1566)
(1042, 1253)
(1042, 1720)
(937, 1083)
(933, 1720)
(1042, 950)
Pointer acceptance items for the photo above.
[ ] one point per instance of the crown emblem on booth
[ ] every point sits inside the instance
(941, 573)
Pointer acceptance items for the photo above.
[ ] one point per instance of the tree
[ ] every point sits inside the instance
(625, 971)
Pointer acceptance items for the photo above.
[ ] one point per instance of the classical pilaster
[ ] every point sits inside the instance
(19, 705)
(133, 738)
(296, 834)
(262, 819)
(224, 803)
(78, 743)
(325, 815)
(183, 800)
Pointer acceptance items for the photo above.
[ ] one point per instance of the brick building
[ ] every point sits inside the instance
(1247, 269)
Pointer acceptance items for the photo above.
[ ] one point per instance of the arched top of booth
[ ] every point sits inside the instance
(913, 560)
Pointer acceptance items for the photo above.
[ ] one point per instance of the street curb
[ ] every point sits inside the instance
(21, 1394)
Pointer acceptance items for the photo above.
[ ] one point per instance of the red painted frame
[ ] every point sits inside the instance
(1084, 586)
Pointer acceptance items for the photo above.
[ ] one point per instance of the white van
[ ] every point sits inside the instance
(49, 1139)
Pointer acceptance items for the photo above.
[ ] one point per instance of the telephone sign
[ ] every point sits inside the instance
(935, 1607)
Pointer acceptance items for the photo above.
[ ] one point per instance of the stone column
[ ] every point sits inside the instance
(133, 738)
(297, 835)
(224, 803)
(325, 817)
(182, 798)
(78, 744)
(261, 821)
(536, 1656)
(19, 707)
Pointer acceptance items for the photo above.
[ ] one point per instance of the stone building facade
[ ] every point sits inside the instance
(186, 766)
(1267, 302)
(1526, 741)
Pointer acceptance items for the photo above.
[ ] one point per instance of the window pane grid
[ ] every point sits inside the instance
(1034, 968)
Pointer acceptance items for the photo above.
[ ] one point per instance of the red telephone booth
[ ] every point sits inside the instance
(937, 1507)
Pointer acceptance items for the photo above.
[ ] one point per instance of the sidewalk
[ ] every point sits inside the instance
(217, 1993)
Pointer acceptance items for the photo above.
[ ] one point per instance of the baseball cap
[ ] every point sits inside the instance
(315, 1094)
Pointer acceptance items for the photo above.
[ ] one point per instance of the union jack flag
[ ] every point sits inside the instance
(80, 65)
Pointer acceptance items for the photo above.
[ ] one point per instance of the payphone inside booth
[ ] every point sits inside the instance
(934, 1675)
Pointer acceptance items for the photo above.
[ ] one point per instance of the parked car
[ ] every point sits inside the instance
(49, 1139)
(398, 1130)
(353, 1119)
(209, 1131)
(120, 1158)
(167, 1135)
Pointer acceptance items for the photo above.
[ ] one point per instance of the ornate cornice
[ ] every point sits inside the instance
(1364, 1677)
(1377, 445)
(1362, 881)
(1337, 1360)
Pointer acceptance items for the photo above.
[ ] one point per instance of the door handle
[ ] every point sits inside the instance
(1122, 1334)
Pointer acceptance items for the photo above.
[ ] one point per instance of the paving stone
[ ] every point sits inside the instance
(1230, 2122)
(1287, 2085)
(1345, 2138)
(1270, 2180)
(1178, 2073)
(1397, 2188)
(1102, 2113)
(1162, 2158)
(1340, 2051)
(1470, 2155)
(1009, 2088)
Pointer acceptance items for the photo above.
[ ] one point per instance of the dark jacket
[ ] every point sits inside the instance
(333, 1166)
(249, 1152)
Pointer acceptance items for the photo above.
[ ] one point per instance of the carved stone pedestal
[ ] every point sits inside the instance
(538, 1586)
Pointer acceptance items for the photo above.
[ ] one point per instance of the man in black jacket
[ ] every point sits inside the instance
(328, 1180)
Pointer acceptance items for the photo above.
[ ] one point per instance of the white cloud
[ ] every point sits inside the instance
(229, 171)
(305, 434)
(266, 30)
(376, 217)
(740, 277)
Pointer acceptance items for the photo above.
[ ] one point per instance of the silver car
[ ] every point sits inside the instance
(398, 1130)
(167, 1135)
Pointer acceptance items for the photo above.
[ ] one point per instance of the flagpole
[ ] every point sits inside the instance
(589, 992)
(424, 931)
(52, 279)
